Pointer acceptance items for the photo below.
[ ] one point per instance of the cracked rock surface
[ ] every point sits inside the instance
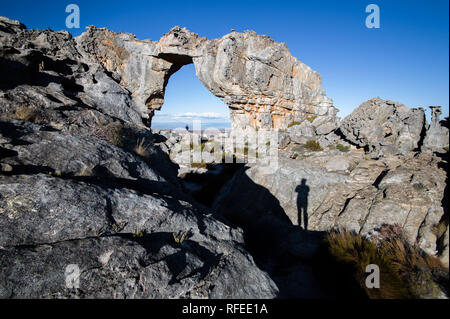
(121, 240)
(386, 126)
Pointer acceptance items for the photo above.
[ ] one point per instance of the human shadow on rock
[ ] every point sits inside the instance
(285, 251)
(302, 203)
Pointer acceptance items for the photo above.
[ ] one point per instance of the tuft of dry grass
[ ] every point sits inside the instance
(313, 146)
(199, 165)
(405, 270)
(141, 148)
(26, 113)
(138, 233)
(111, 132)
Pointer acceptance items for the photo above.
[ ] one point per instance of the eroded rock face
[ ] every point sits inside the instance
(386, 126)
(121, 241)
(436, 138)
(263, 85)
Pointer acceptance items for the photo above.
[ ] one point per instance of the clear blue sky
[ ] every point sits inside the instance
(406, 60)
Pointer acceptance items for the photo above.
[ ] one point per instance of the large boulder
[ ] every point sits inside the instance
(436, 138)
(120, 241)
(386, 126)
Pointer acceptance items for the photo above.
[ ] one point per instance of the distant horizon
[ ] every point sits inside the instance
(182, 125)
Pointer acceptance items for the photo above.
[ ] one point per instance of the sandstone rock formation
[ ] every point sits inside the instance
(386, 126)
(436, 138)
(263, 85)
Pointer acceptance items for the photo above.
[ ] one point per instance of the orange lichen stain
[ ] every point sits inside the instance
(121, 53)
(277, 120)
(294, 72)
(253, 122)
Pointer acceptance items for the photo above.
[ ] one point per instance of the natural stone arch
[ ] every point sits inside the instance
(263, 85)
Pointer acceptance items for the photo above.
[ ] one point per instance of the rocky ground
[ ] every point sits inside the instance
(86, 184)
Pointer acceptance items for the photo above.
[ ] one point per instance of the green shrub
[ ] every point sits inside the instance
(313, 146)
(342, 148)
(293, 123)
(117, 227)
(311, 118)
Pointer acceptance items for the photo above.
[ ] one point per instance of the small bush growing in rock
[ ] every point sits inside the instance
(311, 118)
(111, 132)
(293, 123)
(180, 236)
(117, 227)
(342, 148)
(313, 146)
(138, 233)
(28, 114)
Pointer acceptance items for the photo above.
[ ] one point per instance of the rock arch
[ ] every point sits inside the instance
(263, 85)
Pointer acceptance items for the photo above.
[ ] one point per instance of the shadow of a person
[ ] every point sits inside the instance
(302, 203)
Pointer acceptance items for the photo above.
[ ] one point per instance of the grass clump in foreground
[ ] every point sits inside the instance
(313, 146)
(405, 271)
(141, 148)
